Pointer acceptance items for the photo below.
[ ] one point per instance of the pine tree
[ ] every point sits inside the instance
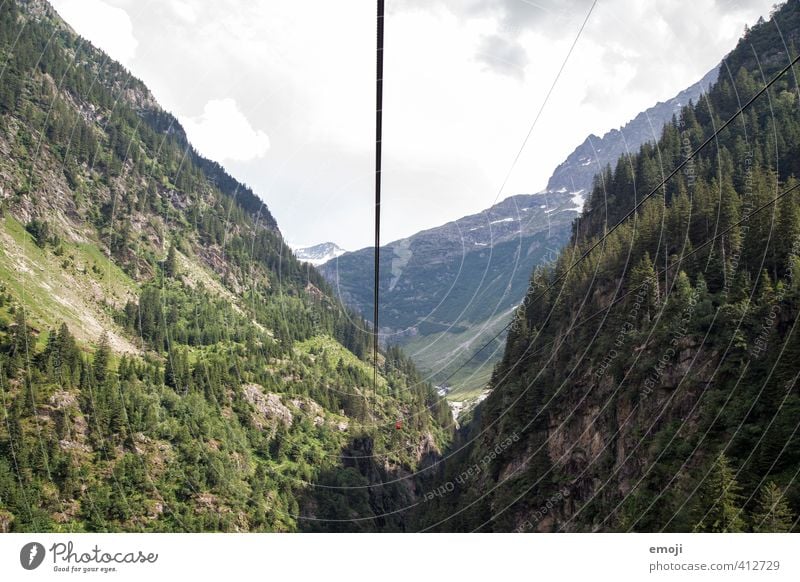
(22, 339)
(16, 435)
(719, 509)
(644, 287)
(101, 360)
(171, 264)
(773, 514)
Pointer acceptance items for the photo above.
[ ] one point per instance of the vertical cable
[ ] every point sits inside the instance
(378, 140)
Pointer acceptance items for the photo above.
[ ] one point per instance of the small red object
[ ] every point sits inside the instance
(398, 425)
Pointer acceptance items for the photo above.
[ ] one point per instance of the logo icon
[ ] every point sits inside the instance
(31, 555)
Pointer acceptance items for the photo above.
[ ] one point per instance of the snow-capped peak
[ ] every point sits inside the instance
(318, 254)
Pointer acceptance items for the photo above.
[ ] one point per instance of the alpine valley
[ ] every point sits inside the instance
(448, 291)
(169, 364)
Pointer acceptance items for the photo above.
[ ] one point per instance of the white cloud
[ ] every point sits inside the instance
(222, 132)
(464, 80)
(105, 26)
(184, 11)
(504, 54)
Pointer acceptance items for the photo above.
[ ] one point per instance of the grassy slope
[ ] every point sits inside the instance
(80, 287)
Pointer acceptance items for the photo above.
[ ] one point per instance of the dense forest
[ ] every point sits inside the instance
(650, 377)
(226, 389)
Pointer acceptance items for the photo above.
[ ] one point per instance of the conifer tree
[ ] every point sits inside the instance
(171, 264)
(773, 514)
(719, 510)
(644, 284)
(101, 359)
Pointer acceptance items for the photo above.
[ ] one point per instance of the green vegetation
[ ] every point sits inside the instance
(773, 514)
(444, 352)
(166, 364)
(627, 377)
(719, 508)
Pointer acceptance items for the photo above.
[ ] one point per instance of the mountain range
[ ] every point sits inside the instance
(447, 291)
(168, 364)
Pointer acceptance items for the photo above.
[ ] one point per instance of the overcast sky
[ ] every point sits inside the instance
(281, 92)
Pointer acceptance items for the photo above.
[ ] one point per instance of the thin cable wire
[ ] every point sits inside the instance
(519, 155)
(546, 99)
(378, 145)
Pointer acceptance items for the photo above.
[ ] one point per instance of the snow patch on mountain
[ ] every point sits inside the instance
(509, 219)
(318, 254)
(579, 200)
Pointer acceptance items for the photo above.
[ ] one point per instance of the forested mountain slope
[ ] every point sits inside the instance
(166, 364)
(448, 290)
(654, 386)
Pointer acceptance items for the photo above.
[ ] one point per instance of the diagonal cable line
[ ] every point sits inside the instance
(676, 263)
(546, 99)
(519, 154)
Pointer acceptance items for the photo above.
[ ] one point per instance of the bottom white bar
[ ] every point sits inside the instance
(401, 557)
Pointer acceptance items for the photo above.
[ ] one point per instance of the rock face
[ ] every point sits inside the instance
(595, 153)
(394, 487)
(269, 409)
(6, 519)
(599, 433)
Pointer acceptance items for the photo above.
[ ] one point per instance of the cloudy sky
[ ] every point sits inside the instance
(281, 92)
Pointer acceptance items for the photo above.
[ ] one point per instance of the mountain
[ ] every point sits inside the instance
(166, 363)
(590, 158)
(649, 378)
(318, 254)
(448, 291)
